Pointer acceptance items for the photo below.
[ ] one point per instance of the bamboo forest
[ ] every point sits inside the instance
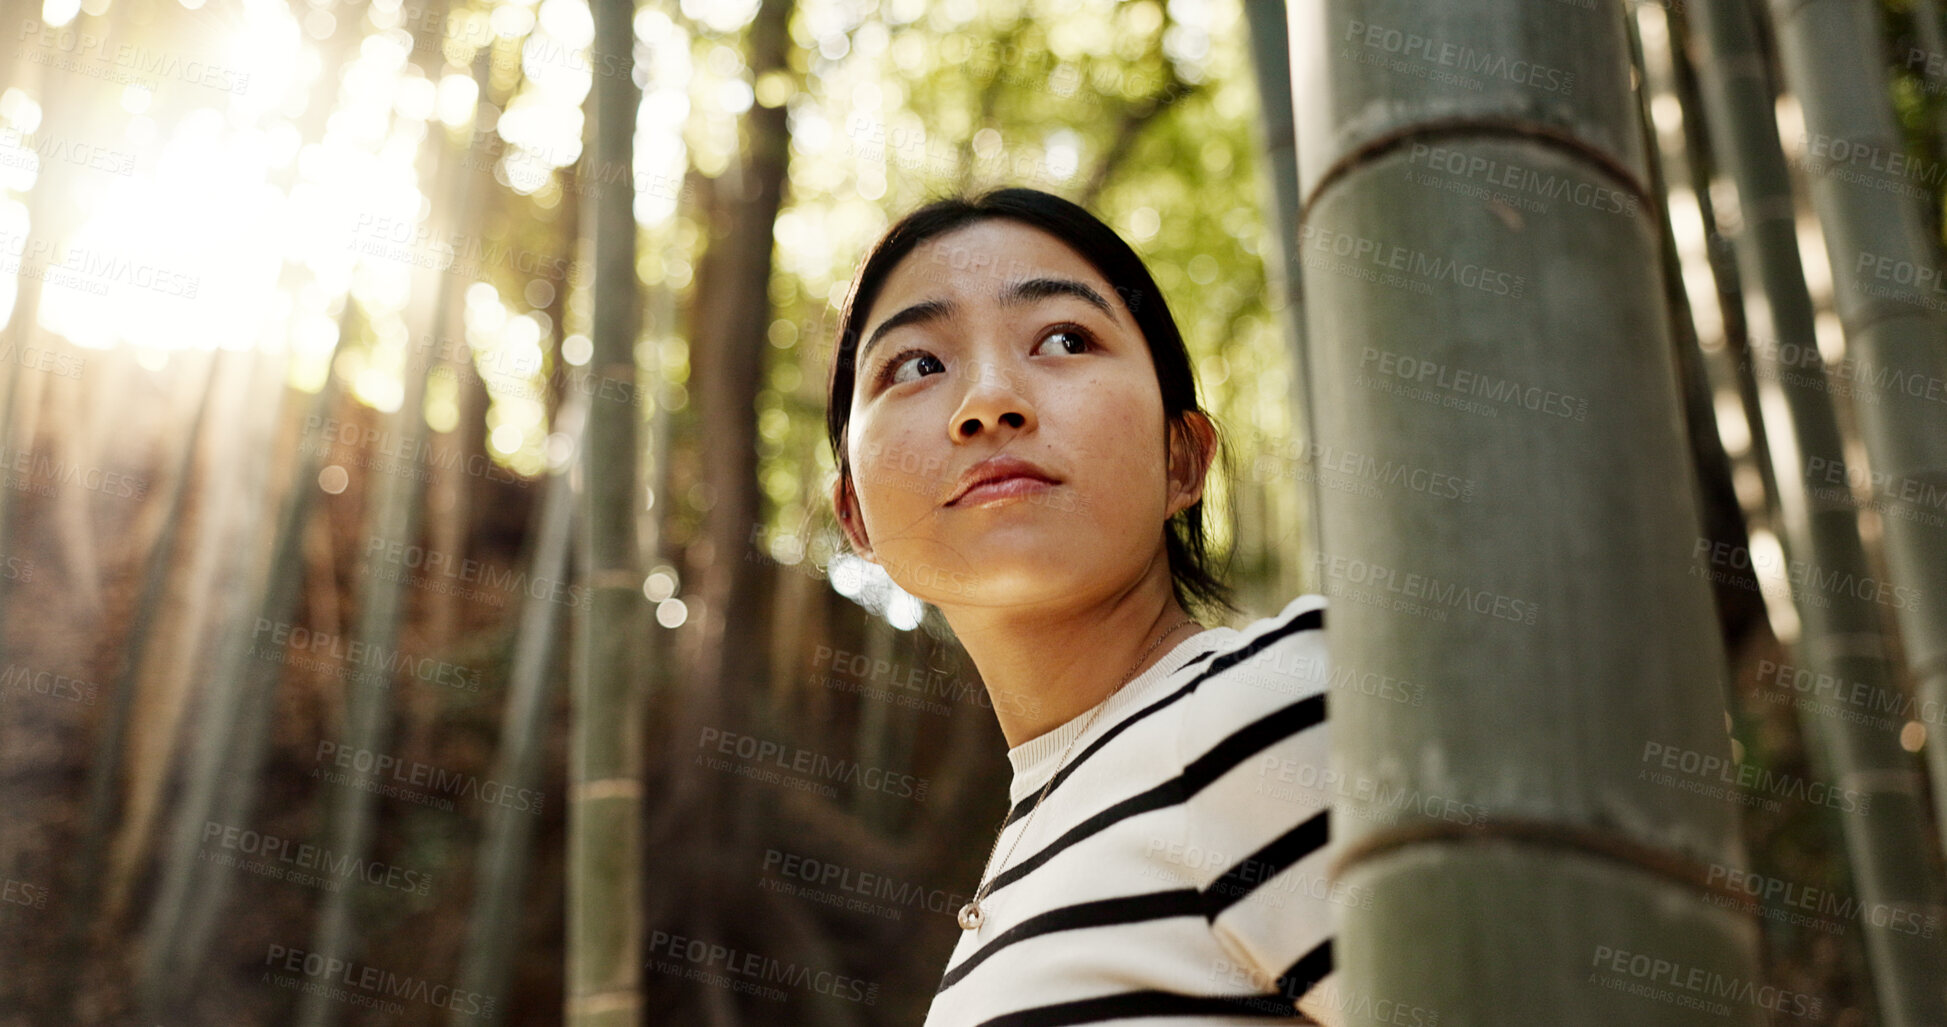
(422, 599)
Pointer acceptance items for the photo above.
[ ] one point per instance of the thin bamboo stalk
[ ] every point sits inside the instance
(1889, 852)
(1271, 63)
(493, 929)
(604, 955)
(1879, 241)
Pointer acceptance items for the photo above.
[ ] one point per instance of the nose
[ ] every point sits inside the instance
(991, 401)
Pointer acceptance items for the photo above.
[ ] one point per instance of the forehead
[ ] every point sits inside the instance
(971, 264)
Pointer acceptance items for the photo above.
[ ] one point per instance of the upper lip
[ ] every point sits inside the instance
(996, 468)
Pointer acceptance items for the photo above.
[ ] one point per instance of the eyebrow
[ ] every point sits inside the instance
(1033, 289)
(1025, 291)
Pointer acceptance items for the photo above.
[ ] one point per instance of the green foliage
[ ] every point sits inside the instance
(1119, 106)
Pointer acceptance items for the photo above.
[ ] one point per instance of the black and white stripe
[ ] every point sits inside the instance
(1173, 876)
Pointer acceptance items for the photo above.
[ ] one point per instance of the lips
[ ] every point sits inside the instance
(1001, 475)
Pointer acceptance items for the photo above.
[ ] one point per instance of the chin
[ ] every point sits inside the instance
(1016, 578)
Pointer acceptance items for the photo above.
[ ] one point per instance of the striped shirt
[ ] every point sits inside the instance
(1178, 875)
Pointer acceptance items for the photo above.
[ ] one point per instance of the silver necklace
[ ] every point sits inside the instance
(970, 915)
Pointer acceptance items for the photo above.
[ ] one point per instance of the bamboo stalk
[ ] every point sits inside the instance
(1879, 241)
(493, 928)
(1271, 63)
(1889, 852)
(104, 771)
(604, 954)
(394, 519)
(1477, 203)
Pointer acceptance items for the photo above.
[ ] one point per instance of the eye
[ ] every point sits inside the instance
(894, 372)
(1070, 336)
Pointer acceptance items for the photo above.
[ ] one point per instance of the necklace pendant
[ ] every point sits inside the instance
(971, 917)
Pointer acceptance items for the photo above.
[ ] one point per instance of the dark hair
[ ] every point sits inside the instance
(1197, 587)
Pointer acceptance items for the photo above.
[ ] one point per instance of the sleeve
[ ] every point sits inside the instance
(1255, 752)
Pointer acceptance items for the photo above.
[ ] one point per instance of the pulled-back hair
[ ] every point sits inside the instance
(1196, 585)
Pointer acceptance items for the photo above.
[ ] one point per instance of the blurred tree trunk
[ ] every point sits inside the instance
(1542, 841)
(604, 956)
(1880, 244)
(1277, 132)
(222, 775)
(1739, 602)
(186, 631)
(223, 764)
(727, 350)
(104, 769)
(1889, 852)
(449, 495)
(1933, 72)
(494, 926)
(394, 517)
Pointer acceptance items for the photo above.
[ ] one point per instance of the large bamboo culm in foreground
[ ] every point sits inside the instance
(1483, 302)
(1887, 845)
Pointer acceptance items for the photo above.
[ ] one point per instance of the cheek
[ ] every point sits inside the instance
(1115, 443)
(892, 472)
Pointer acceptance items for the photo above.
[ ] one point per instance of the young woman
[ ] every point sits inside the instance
(1018, 440)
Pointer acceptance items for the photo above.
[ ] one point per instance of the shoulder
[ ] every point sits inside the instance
(1273, 664)
(1284, 653)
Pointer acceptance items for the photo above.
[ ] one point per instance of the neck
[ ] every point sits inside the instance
(1045, 665)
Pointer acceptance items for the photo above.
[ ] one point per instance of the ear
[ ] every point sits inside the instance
(1192, 446)
(850, 519)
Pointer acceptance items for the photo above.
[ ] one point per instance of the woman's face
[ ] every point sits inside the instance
(998, 339)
